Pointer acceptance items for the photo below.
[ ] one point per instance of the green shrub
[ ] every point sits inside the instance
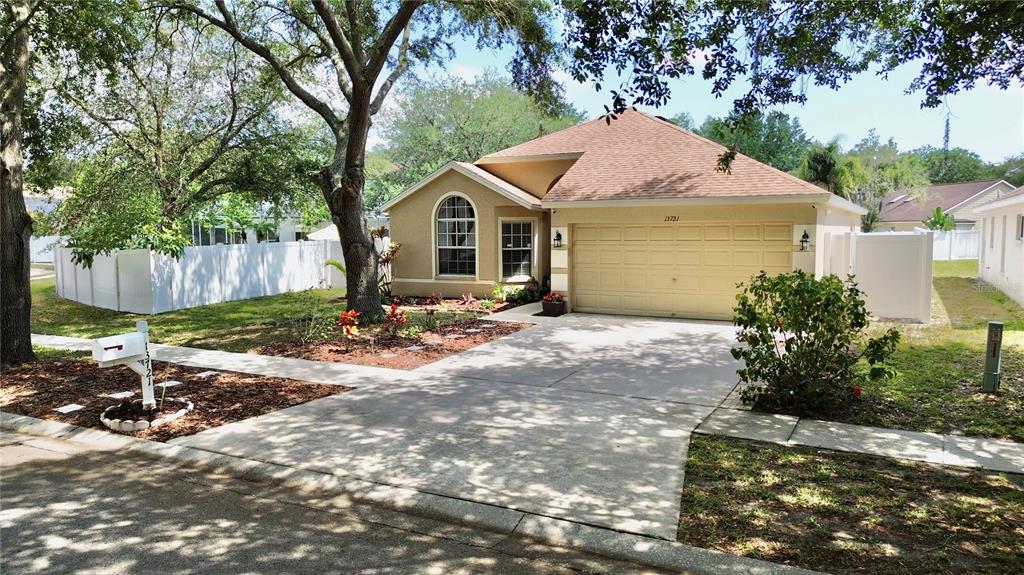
(486, 304)
(802, 341)
(516, 293)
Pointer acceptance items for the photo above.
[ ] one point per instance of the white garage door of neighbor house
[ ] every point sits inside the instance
(680, 270)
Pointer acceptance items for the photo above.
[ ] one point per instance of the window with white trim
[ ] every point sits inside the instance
(517, 249)
(456, 237)
(1020, 227)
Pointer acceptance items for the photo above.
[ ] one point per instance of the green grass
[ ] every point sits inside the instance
(239, 326)
(847, 513)
(940, 366)
(955, 268)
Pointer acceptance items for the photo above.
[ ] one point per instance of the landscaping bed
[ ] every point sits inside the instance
(62, 378)
(847, 513)
(380, 349)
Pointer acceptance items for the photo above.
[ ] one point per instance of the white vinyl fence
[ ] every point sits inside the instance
(42, 248)
(957, 245)
(893, 269)
(142, 281)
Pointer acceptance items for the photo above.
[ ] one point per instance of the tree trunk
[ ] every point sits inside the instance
(342, 184)
(15, 224)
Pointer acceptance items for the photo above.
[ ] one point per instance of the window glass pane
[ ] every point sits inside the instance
(456, 237)
(516, 252)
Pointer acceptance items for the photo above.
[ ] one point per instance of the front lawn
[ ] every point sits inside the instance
(846, 513)
(940, 366)
(238, 326)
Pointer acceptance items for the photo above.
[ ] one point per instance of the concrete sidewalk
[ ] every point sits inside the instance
(287, 367)
(945, 449)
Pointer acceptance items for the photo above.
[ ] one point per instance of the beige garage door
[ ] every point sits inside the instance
(683, 270)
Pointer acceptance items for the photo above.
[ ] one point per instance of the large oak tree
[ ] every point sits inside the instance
(78, 36)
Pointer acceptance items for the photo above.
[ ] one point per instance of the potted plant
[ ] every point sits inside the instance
(553, 304)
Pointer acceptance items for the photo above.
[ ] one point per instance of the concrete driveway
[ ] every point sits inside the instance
(586, 418)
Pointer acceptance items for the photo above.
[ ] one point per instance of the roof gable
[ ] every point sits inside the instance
(480, 176)
(902, 207)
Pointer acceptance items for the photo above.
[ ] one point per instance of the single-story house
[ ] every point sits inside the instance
(1002, 244)
(624, 215)
(902, 212)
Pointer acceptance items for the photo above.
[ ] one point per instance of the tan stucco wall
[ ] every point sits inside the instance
(534, 177)
(800, 216)
(1002, 254)
(412, 226)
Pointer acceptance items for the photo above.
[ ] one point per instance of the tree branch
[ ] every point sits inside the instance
(348, 56)
(381, 48)
(400, 68)
(229, 25)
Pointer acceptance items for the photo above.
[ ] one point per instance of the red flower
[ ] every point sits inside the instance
(857, 390)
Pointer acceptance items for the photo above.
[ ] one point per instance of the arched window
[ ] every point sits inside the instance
(456, 237)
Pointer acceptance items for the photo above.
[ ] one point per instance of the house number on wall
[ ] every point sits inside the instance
(671, 218)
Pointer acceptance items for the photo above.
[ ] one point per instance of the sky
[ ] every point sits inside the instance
(986, 119)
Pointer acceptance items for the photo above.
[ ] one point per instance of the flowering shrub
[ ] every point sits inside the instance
(803, 342)
(554, 297)
(394, 320)
(349, 322)
(433, 299)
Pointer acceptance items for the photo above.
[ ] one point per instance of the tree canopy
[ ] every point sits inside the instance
(774, 138)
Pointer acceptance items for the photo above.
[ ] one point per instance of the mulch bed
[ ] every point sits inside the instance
(37, 389)
(395, 352)
(452, 304)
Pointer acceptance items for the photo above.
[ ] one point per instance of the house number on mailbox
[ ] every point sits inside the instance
(671, 218)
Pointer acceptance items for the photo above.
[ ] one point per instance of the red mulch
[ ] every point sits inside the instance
(453, 304)
(37, 389)
(394, 352)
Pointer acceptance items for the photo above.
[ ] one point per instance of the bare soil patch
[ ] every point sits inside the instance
(39, 388)
(396, 352)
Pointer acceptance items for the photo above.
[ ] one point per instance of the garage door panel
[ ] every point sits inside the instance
(635, 257)
(610, 234)
(778, 232)
(778, 259)
(662, 233)
(684, 270)
(688, 258)
(688, 234)
(585, 233)
(718, 258)
(635, 234)
(747, 258)
(659, 257)
(718, 232)
(747, 232)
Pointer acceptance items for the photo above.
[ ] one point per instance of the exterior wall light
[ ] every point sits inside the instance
(804, 241)
(557, 241)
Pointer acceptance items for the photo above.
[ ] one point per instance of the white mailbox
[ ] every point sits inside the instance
(131, 349)
(117, 349)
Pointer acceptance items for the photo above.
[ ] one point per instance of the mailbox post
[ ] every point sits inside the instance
(993, 355)
(131, 349)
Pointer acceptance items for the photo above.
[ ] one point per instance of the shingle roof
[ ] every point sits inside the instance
(901, 207)
(639, 156)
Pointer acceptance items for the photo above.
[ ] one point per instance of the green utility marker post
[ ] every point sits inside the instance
(993, 355)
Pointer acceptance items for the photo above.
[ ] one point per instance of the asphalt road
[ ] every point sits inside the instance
(67, 509)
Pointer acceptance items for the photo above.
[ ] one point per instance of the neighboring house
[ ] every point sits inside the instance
(286, 229)
(1002, 248)
(903, 212)
(628, 216)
